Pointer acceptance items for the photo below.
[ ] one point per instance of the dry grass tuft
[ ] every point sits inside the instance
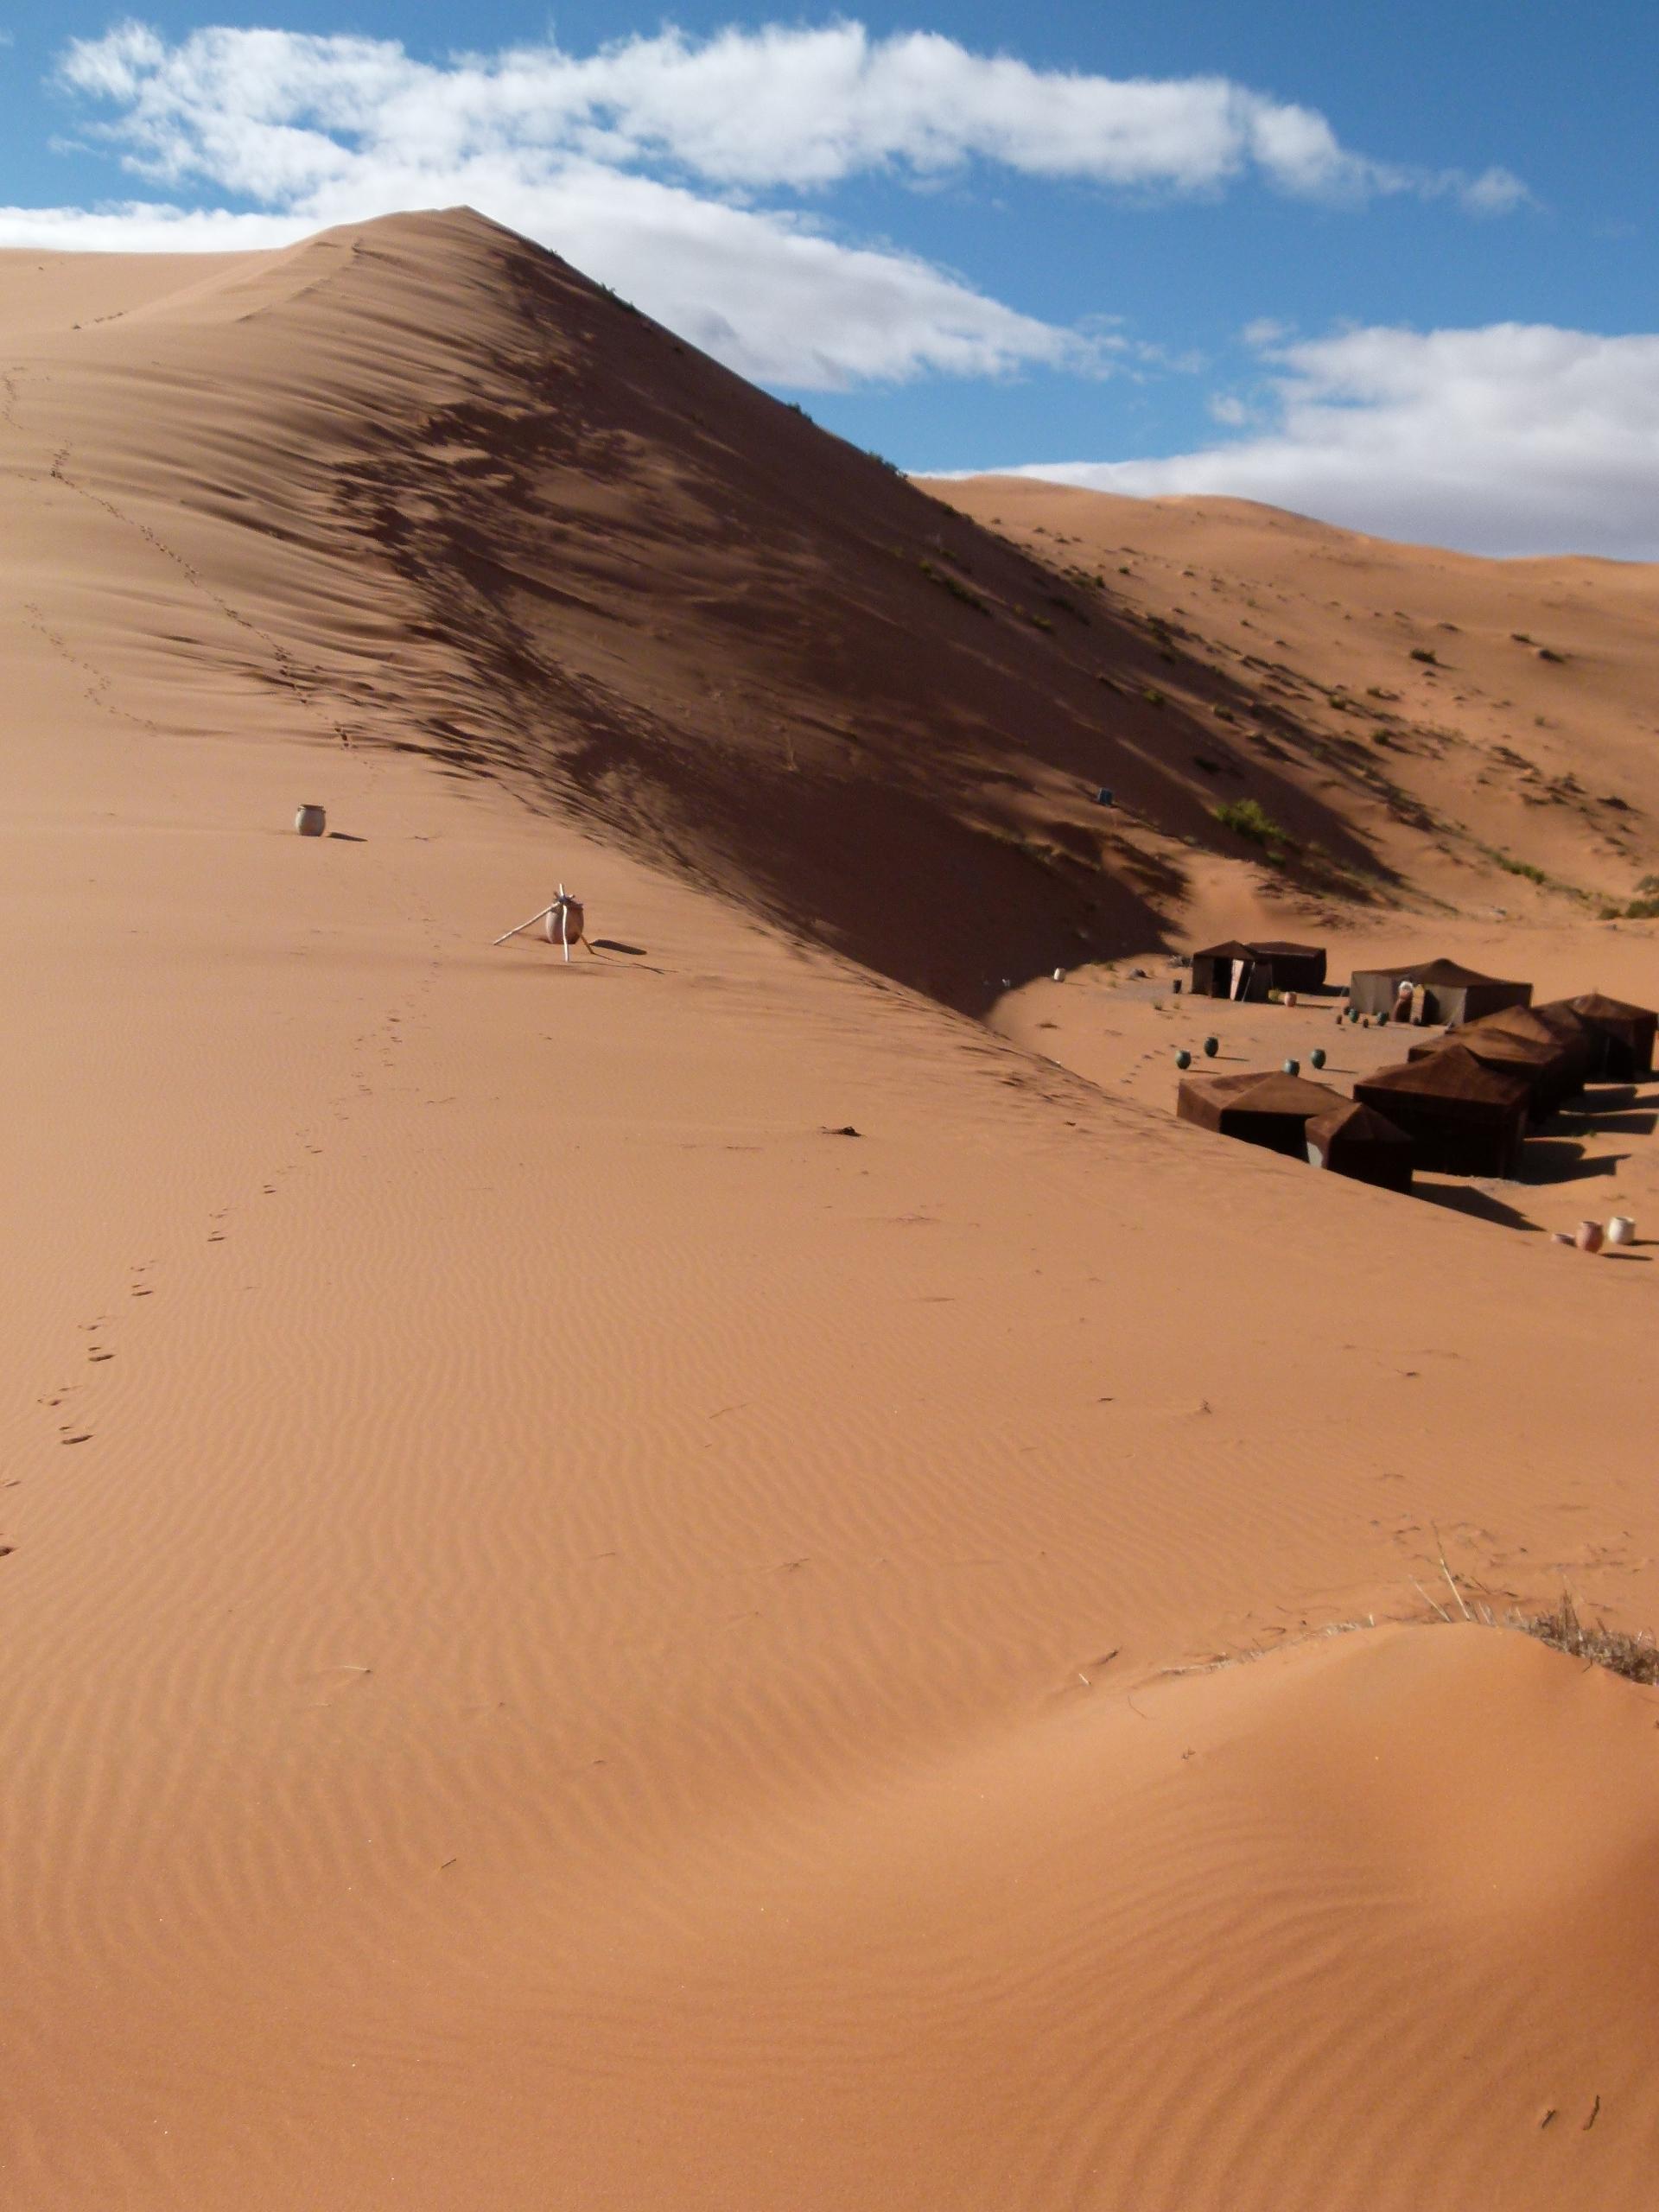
(1634, 1654)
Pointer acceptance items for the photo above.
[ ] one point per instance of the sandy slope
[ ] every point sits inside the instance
(1465, 710)
(575, 1637)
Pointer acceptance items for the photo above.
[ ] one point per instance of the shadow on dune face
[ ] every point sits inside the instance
(749, 650)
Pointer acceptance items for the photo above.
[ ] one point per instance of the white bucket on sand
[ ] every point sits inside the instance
(1290, 998)
(1588, 1238)
(310, 821)
(1621, 1230)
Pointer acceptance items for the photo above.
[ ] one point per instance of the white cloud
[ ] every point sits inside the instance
(271, 111)
(1511, 439)
(640, 162)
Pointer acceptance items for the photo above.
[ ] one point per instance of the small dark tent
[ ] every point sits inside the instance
(1294, 966)
(1272, 1109)
(1355, 1140)
(1571, 1031)
(1449, 992)
(1498, 1041)
(1235, 970)
(1463, 1119)
(1621, 1034)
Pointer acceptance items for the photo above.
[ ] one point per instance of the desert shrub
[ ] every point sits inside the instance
(1152, 696)
(1250, 819)
(956, 589)
(1545, 653)
(1633, 1654)
(1520, 868)
(1424, 653)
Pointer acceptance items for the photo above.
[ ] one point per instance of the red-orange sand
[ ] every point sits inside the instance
(573, 1636)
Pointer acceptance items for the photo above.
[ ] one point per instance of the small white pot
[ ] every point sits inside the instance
(1290, 998)
(311, 822)
(1621, 1230)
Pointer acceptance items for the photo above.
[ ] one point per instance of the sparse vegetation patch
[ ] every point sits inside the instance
(1250, 819)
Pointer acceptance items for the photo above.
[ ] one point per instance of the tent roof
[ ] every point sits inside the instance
(1356, 1124)
(1451, 1071)
(1555, 1026)
(1489, 1041)
(1557, 1015)
(1594, 1007)
(1432, 971)
(1267, 1092)
(1233, 949)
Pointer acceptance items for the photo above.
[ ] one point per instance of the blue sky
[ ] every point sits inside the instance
(1392, 266)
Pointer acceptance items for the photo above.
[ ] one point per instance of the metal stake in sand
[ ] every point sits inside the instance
(564, 920)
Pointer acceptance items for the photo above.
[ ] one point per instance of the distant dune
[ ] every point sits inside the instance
(690, 1579)
(1479, 725)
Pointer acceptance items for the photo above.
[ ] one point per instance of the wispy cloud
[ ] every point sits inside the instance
(643, 162)
(269, 112)
(1514, 438)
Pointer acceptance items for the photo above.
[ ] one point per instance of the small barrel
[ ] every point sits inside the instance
(1621, 1230)
(310, 821)
(1588, 1238)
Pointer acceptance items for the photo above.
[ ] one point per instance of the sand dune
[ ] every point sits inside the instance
(573, 1633)
(1459, 713)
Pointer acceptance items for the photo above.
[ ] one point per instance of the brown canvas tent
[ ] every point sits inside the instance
(1571, 1031)
(1356, 1141)
(1445, 991)
(1622, 1036)
(1462, 1118)
(1516, 1041)
(1269, 1109)
(1237, 971)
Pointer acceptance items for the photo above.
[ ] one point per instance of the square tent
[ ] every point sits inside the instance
(1499, 1041)
(1356, 1141)
(1239, 970)
(1449, 991)
(1622, 1035)
(1269, 1109)
(1555, 1018)
(1462, 1118)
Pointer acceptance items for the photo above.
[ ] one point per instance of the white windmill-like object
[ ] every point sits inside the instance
(562, 923)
